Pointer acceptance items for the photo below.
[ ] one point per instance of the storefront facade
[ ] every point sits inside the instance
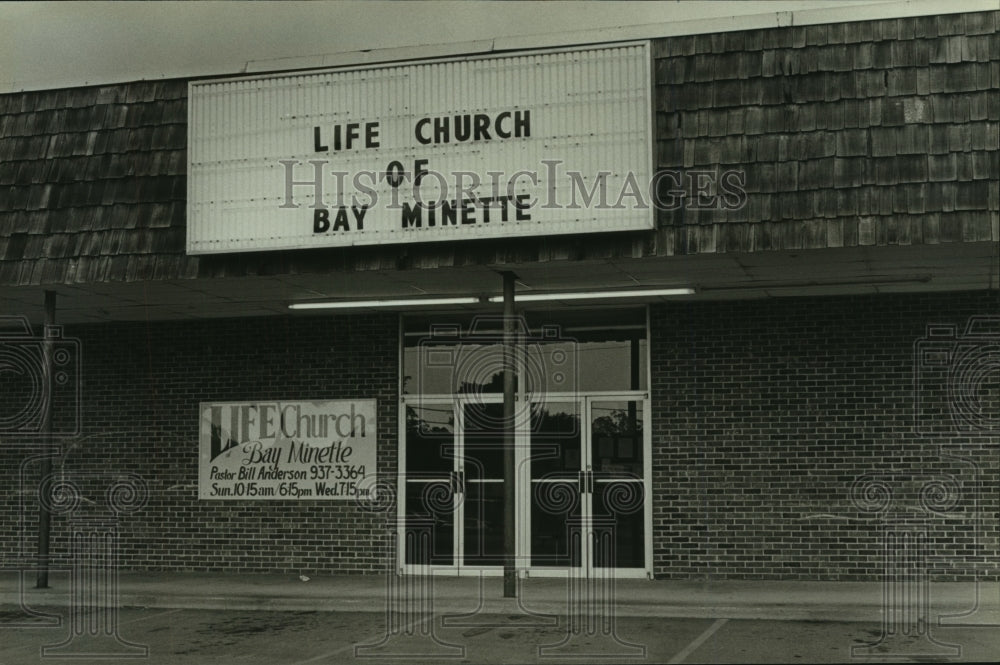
(728, 375)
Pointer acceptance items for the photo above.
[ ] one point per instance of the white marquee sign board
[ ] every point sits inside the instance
(525, 144)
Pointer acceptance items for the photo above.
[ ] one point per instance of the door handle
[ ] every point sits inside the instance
(580, 482)
(590, 482)
(458, 482)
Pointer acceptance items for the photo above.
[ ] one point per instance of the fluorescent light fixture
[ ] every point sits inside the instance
(472, 300)
(403, 302)
(588, 295)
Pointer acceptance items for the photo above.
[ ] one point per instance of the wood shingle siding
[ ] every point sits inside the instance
(93, 183)
(887, 131)
(872, 133)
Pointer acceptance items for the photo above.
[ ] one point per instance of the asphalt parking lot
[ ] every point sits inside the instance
(181, 637)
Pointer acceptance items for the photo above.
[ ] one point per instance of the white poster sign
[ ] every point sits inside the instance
(287, 450)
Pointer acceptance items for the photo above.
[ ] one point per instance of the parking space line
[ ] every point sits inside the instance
(24, 647)
(152, 616)
(698, 641)
(406, 629)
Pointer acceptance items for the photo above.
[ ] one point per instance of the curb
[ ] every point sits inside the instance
(455, 608)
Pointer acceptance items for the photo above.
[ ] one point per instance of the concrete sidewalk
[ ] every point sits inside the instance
(449, 595)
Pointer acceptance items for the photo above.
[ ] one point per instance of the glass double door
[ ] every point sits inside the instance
(581, 485)
(585, 498)
(453, 483)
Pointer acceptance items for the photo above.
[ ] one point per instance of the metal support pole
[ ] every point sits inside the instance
(634, 359)
(44, 517)
(509, 469)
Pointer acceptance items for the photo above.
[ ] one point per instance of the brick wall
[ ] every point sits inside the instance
(142, 383)
(767, 415)
(777, 427)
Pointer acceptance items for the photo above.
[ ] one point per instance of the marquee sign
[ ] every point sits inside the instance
(287, 450)
(525, 144)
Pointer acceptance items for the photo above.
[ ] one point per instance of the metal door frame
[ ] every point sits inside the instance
(524, 487)
(586, 569)
(458, 567)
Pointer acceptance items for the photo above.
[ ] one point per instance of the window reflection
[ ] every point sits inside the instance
(430, 439)
(555, 440)
(616, 433)
(565, 353)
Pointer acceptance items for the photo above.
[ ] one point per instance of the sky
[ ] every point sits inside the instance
(61, 44)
